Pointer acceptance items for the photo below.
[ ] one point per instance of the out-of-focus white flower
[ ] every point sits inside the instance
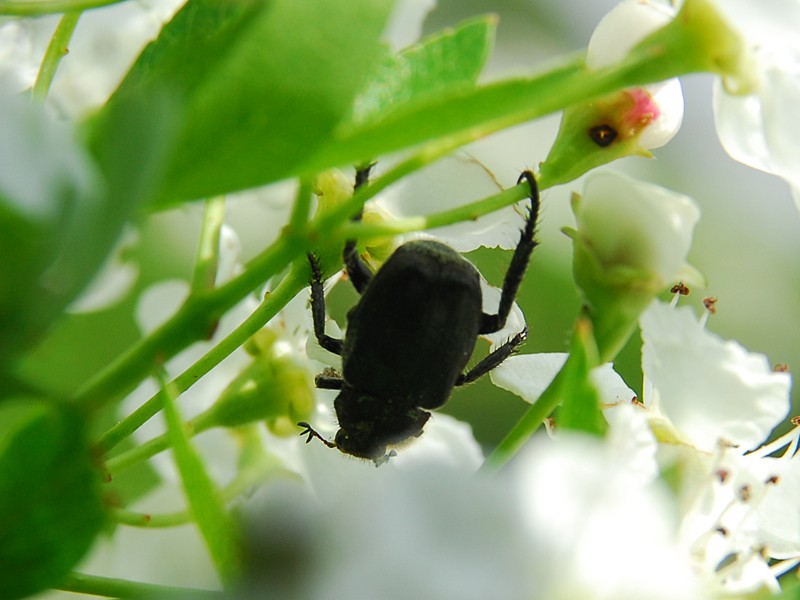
(115, 278)
(587, 510)
(657, 111)
(560, 524)
(104, 45)
(761, 129)
(429, 532)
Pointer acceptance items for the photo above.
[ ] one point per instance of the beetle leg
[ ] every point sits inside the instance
(519, 262)
(318, 309)
(357, 270)
(493, 359)
(329, 380)
(308, 430)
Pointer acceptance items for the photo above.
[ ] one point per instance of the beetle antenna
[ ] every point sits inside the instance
(311, 432)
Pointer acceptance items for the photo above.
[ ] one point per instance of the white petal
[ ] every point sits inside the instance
(777, 515)
(159, 302)
(668, 96)
(622, 28)
(528, 375)
(712, 390)
(515, 322)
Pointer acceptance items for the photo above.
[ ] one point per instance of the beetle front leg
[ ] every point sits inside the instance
(519, 262)
(493, 359)
(357, 270)
(318, 309)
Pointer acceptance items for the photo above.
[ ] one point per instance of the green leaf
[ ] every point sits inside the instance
(254, 86)
(204, 498)
(50, 504)
(59, 222)
(448, 61)
(580, 408)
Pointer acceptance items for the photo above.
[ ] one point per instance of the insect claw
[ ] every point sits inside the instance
(311, 432)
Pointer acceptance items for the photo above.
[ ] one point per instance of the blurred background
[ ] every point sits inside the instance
(746, 243)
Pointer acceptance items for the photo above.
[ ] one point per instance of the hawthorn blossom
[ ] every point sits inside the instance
(757, 125)
(711, 405)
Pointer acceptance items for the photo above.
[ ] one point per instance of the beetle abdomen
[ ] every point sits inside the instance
(415, 327)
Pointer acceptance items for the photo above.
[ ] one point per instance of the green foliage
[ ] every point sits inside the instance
(253, 87)
(580, 408)
(50, 504)
(446, 63)
(57, 221)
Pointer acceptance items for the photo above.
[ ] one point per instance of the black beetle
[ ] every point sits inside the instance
(410, 336)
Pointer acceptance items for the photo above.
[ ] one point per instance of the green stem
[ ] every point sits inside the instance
(530, 422)
(130, 458)
(247, 478)
(465, 212)
(56, 50)
(205, 501)
(302, 206)
(207, 262)
(93, 585)
(331, 220)
(28, 8)
(292, 284)
(191, 323)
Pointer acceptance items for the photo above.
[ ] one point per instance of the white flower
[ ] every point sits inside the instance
(448, 183)
(587, 512)
(709, 401)
(706, 404)
(712, 391)
(657, 107)
(561, 524)
(761, 130)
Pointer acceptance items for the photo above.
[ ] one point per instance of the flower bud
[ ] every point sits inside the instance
(631, 242)
(624, 123)
(276, 388)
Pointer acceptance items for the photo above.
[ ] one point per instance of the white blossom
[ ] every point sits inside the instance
(760, 128)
